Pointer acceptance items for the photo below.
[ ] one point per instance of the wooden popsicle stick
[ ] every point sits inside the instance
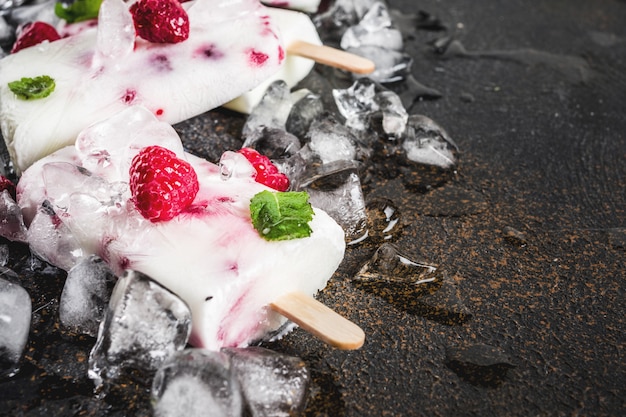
(319, 320)
(332, 57)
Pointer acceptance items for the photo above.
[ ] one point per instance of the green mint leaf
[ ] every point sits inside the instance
(281, 216)
(33, 88)
(78, 11)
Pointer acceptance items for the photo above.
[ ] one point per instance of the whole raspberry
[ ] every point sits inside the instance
(160, 21)
(162, 185)
(34, 33)
(266, 171)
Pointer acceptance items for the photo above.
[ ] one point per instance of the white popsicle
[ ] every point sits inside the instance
(232, 47)
(210, 255)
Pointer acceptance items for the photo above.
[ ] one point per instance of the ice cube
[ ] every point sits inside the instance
(391, 65)
(194, 383)
(273, 384)
(375, 28)
(85, 295)
(6, 36)
(395, 116)
(11, 220)
(426, 142)
(330, 141)
(275, 143)
(143, 325)
(356, 103)
(4, 255)
(272, 111)
(51, 240)
(365, 101)
(336, 188)
(305, 110)
(342, 14)
(118, 138)
(116, 34)
(62, 181)
(35, 11)
(15, 311)
(383, 220)
(390, 264)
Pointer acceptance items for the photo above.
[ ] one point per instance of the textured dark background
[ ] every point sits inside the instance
(530, 230)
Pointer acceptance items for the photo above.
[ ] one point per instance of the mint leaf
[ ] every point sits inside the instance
(78, 11)
(33, 88)
(281, 216)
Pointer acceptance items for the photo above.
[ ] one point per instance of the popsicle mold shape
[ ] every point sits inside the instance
(210, 255)
(232, 47)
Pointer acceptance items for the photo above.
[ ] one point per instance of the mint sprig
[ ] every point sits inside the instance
(78, 11)
(33, 88)
(281, 215)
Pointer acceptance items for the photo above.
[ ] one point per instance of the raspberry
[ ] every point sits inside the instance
(34, 33)
(160, 21)
(266, 171)
(162, 185)
(7, 184)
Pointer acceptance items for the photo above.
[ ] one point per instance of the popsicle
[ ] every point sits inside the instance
(304, 49)
(210, 254)
(231, 48)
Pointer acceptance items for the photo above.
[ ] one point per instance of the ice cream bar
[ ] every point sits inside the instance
(304, 49)
(232, 47)
(308, 6)
(210, 255)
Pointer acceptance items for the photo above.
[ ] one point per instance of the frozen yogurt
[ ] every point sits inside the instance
(231, 48)
(210, 254)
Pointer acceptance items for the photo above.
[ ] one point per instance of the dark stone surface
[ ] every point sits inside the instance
(529, 230)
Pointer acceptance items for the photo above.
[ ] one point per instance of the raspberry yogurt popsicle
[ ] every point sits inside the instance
(231, 47)
(210, 253)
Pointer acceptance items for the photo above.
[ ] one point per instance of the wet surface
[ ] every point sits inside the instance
(525, 315)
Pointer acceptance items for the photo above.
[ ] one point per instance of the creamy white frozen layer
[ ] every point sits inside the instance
(210, 255)
(309, 6)
(232, 47)
(294, 26)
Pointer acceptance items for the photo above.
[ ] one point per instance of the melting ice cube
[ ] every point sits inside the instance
(391, 265)
(428, 143)
(336, 188)
(51, 240)
(116, 30)
(383, 221)
(33, 11)
(143, 326)
(330, 141)
(272, 111)
(15, 310)
(365, 101)
(273, 384)
(374, 29)
(305, 110)
(12, 222)
(86, 295)
(195, 383)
